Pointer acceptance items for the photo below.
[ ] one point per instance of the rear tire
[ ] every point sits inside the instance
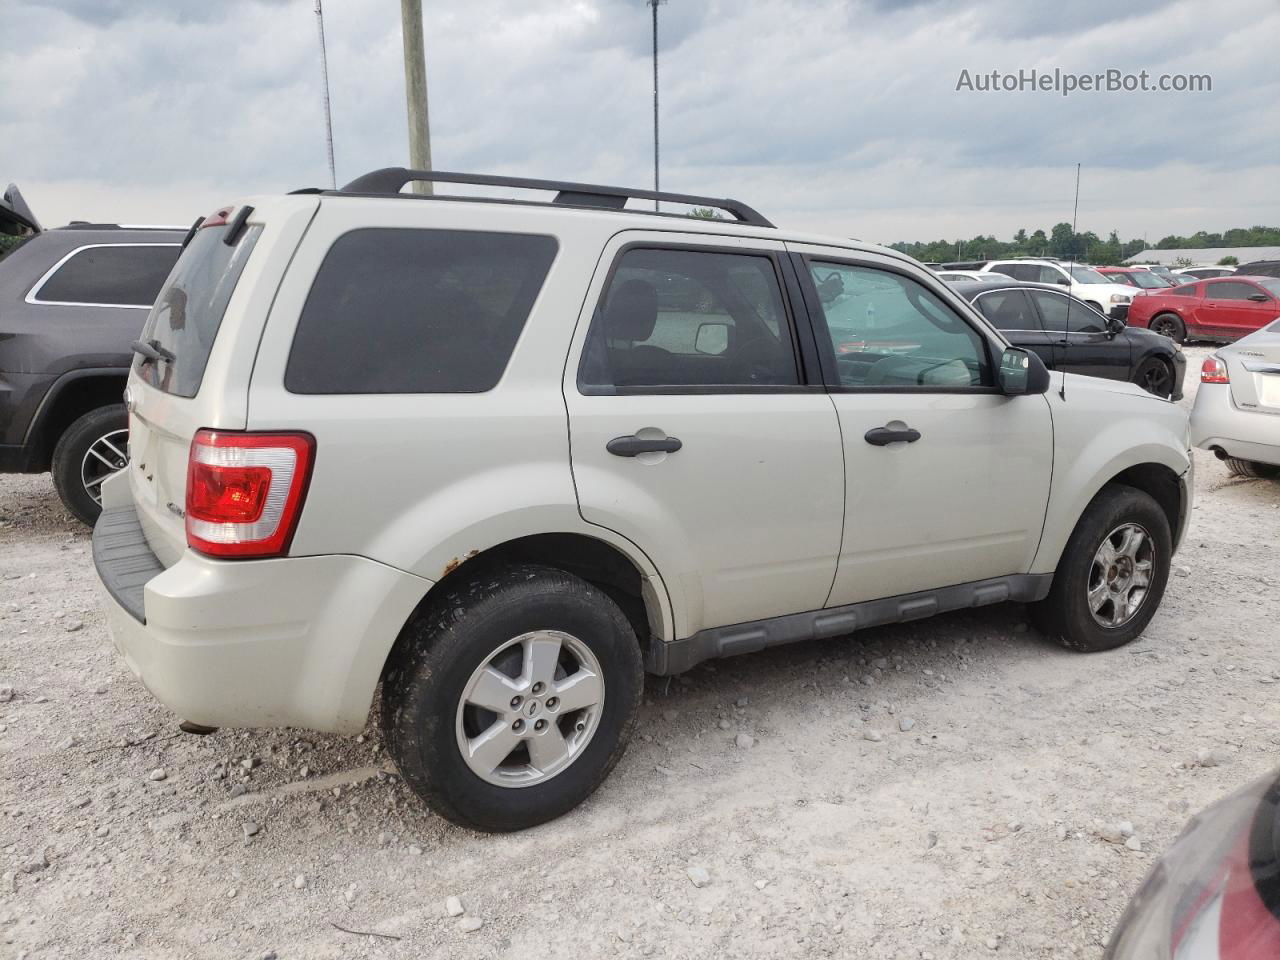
(479, 641)
(1169, 325)
(1155, 376)
(1251, 469)
(86, 454)
(1069, 615)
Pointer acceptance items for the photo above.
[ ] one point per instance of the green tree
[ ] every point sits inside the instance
(705, 213)
(1229, 261)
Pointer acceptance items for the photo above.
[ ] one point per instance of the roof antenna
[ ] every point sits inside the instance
(1071, 275)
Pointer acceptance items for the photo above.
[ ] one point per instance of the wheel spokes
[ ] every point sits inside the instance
(493, 746)
(1098, 596)
(493, 691)
(548, 748)
(541, 654)
(580, 690)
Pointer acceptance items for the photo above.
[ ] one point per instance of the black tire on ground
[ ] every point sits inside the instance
(1251, 468)
(445, 643)
(1155, 376)
(1065, 615)
(70, 453)
(1169, 325)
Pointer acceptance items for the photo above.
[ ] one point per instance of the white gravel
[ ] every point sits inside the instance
(976, 824)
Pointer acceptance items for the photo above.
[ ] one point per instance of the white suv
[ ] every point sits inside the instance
(1105, 296)
(504, 457)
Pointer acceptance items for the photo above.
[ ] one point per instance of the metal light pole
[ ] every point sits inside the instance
(324, 77)
(655, 4)
(415, 90)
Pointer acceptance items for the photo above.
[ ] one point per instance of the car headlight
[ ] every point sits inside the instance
(1120, 298)
(1217, 889)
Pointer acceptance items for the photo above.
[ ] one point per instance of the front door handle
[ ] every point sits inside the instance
(882, 436)
(632, 446)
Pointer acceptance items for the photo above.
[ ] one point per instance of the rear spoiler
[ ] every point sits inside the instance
(16, 218)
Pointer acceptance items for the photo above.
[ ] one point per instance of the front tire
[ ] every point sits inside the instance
(1155, 376)
(1169, 325)
(509, 699)
(1112, 574)
(1251, 469)
(93, 448)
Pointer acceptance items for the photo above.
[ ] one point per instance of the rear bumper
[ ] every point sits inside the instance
(296, 641)
(1218, 424)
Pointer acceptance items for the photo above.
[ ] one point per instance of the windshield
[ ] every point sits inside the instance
(1148, 280)
(185, 319)
(1088, 275)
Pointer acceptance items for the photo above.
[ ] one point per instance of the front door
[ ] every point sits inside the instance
(693, 432)
(1085, 345)
(1229, 306)
(946, 479)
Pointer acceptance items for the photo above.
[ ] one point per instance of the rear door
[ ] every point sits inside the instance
(696, 429)
(202, 334)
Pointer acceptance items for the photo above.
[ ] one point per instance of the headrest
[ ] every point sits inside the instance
(632, 311)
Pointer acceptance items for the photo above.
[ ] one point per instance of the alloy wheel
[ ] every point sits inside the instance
(107, 455)
(1120, 575)
(530, 709)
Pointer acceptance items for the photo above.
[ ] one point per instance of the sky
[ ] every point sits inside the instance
(837, 116)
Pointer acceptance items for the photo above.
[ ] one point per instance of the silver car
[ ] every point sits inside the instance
(1237, 409)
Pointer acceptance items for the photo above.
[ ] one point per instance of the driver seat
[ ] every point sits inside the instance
(630, 316)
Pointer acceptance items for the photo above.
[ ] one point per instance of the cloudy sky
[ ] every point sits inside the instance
(834, 115)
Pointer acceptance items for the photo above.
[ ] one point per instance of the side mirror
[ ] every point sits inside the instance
(1259, 298)
(1022, 373)
(831, 287)
(1115, 326)
(712, 339)
(1063, 282)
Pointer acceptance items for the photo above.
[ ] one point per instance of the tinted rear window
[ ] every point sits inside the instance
(188, 312)
(416, 311)
(117, 275)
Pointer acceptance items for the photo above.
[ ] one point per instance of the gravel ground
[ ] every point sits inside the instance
(946, 789)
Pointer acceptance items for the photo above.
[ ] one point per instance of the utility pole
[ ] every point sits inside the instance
(324, 78)
(415, 90)
(655, 4)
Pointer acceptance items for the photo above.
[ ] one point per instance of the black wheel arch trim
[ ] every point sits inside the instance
(59, 385)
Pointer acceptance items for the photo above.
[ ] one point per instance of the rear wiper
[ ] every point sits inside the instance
(152, 350)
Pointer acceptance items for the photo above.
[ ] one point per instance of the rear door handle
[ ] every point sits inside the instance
(633, 445)
(882, 436)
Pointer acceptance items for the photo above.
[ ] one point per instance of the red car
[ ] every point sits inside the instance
(1215, 895)
(1136, 277)
(1225, 308)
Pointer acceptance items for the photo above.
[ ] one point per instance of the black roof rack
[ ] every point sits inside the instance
(391, 180)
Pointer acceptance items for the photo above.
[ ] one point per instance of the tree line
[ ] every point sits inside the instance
(1087, 247)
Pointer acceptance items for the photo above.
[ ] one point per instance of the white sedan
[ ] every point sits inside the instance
(1237, 408)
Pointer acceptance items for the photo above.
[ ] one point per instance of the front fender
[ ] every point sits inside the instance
(1098, 434)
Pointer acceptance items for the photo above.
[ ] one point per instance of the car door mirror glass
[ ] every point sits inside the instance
(712, 339)
(1022, 373)
(1062, 281)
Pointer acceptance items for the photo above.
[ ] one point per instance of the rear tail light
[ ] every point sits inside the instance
(245, 491)
(1214, 370)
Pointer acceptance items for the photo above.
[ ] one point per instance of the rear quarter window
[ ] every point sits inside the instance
(115, 275)
(396, 310)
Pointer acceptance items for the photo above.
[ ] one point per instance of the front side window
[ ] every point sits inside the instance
(115, 275)
(1008, 310)
(888, 331)
(1230, 290)
(1087, 275)
(396, 310)
(672, 319)
(1050, 275)
(1078, 318)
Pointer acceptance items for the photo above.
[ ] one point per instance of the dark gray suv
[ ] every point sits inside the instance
(72, 300)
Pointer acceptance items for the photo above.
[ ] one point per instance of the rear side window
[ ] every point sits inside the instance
(1188, 291)
(416, 311)
(1008, 310)
(185, 319)
(115, 275)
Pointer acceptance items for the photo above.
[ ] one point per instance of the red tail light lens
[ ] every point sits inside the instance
(245, 491)
(1214, 370)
